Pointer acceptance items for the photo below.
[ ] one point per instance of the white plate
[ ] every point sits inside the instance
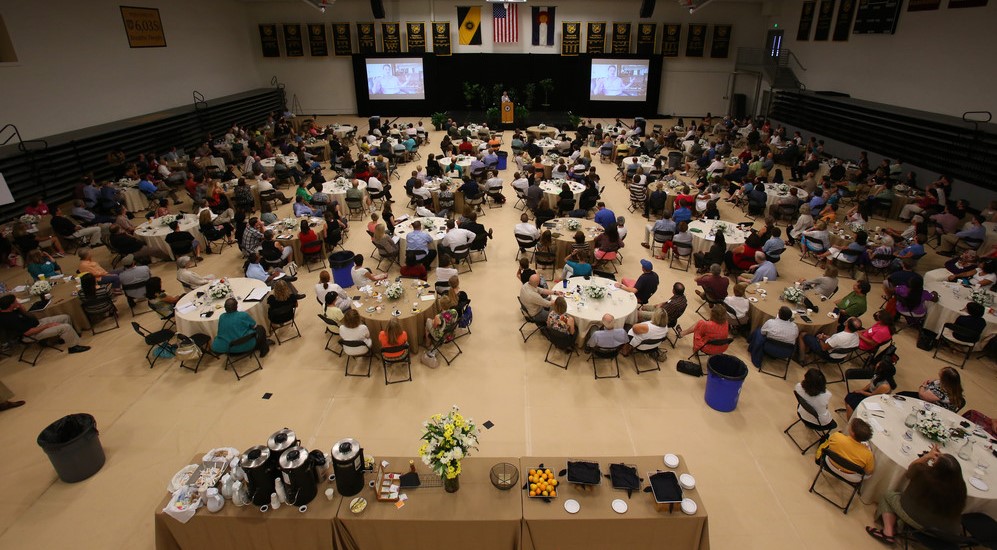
(620, 506)
(180, 478)
(226, 453)
(671, 461)
(571, 506)
(361, 504)
(689, 506)
(687, 481)
(832, 315)
(979, 484)
(753, 299)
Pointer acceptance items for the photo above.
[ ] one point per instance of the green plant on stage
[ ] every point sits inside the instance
(529, 95)
(438, 119)
(522, 115)
(547, 85)
(492, 116)
(471, 92)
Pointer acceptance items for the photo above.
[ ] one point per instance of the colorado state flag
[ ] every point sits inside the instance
(469, 19)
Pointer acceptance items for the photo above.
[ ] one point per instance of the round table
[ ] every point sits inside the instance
(991, 238)
(546, 144)
(269, 163)
(288, 236)
(190, 321)
(703, 235)
(552, 190)
(439, 229)
(888, 443)
(336, 189)
(340, 130)
(64, 301)
(319, 145)
(765, 307)
(775, 191)
(537, 131)
(433, 186)
(645, 162)
(564, 238)
(952, 300)
(154, 233)
(622, 305)
(134, 199)
(376, 310)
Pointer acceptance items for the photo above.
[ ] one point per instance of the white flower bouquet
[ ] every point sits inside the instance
(28, 219)
(792, 294)
(644, 159)
(167, 219)
(428, 224)
(982, 297)
(783, 188)
(446, 440)
(40, 288)
(574, 225)
(596, 292)
(932, 427)
(289, 223)
(543, 126)
(394, 291)
(219, 290)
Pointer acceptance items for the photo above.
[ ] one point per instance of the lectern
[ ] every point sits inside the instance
(507, 112)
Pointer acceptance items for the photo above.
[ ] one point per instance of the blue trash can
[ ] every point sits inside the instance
(724, 377)
(503, 160)
(341, 264)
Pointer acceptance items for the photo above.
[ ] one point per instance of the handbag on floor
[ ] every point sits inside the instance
(926, 339)
(429, 360)
(688, 367)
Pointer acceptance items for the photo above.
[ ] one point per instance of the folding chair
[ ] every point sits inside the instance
(681, 251)
(404, 359)
(660, 238)
(957, 339)
(445, 339)
(364, 350)
(837, 467)
(199, 340)
(280, 317)
(520, 199)
(355, 207)
(776, 349)
(233, 358)
(132, 302)
(822, 431)
(461, 255)
(159, 340)
(812, 254)
(696, 353)
(605, 354)
(708, 302)
(933, 539)
(527, 244)
(527, 319)
(97, 312)
(825, 358)
(562, 341)
(332, 329)
(652, 352)
(43, 343)
(384, 255)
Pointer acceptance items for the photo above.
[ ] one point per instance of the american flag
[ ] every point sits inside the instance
(505, 23)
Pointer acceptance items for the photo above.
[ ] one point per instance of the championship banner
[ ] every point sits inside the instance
(391, 38)
(595, 38)
(365, 38)
(571, 38)
(293, 44)
(806, 20)
(720, 48)
(621, 38)
(143, 27)
(342, 41)
(824, 16)
(441, 38)
(415, 37)
(647, 38)
(316, 40)
(268, 39)
(670, 42)
(469, 19)
(696, 42)
(843, 25)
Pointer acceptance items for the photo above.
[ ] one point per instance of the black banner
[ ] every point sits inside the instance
(877, 16)
(720, 48)
(806, 20)
(595, 38)
(843, 25)
(293, 44)
(316, 40)
(670, 42)
(923, 5)
(441, 38)
(696, 43)
(824, 17)
(391, 37)
(621, 38)
(342, 41)
(571, 37)
(967, 3)
(647, 38)
(268, 39)
(415, 36)
(365, 38)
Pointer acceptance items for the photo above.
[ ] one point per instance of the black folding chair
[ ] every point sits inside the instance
(448, 338)
(404, 359)
(822, 430)
(159, 340)
(562, 341)
(232, 358)
(958, 339)
(527, 319)
(652, 352)
(821, 358)
(527, 245)
(133, 302)
(836, 466)
(599, 353)
(364, 351)
(680, 252)
(698, 352)
(282, 316)
(42, 343)
(782, 351)
(332, 329)
(199, 340)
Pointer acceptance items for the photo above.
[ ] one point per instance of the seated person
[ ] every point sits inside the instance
(882, 382)
(41, 265)
(714, 328)
(605, 335)
(352, 329)
(763, 270)
(233, 325)
(813, 390)
(852, 447)
(441, 325)
(413, 268)
(183, 243)
(576, 265)
(159, 301)
(558, 318)
(18, 323)
(363, 276)
(825, 285)
(946, 391)
(739, 304)
(781, 329)
(654, 329)
(281, 303)
(825, 346)
(393, 336)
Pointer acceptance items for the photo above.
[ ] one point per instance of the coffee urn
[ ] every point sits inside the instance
(298, 474)
(260, 474)
(348, 464)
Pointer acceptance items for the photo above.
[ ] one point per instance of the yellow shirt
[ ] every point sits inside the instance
(90, 266)
(846, 447)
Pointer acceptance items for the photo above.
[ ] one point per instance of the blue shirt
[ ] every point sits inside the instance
(232, 326)
(302, 209)
(609, 338)
(773, 245)
(681, 215)
(91, 195)
(664, 225)
(418, 240)
(256, 271)
(765, 269)
(916, 249)
(605, 217)
(147, 187)
(976, 232)
(579, 269)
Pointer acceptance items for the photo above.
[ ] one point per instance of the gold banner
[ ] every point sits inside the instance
(317, 43)
(342, 41)
(670, 42)
(391, 38)
(293, 44)
(365, 38)
(720, 48)
(595, 39)
(415, 37)
(144, 27)
(441, 38)
(647, 38)
(621, 38)
(268, 39)
(571, 37)
(696, 42)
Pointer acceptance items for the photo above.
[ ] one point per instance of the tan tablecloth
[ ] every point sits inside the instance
(647, 164)
(414, 312)
(564, 237)
(892, 462)
(991, 239)
(596, 525)
(621, 304)
(269, 163)
(773, 193)
(477, 516)
(702, 241)
(63, 303)
(153, 233)
(251, 183)
(404, 228)
(134, 199)
(537, 132)
(192, 323)
(952, 299)
(768, 308)
(319, 148)
(552, 191)
(289, 237)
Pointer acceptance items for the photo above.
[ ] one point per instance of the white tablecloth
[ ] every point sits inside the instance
(892, 462)
(337, 192)
(154, 233)
(268, 163)
(192, 323)
(404, 228)
(774, 193)
(621, 304)
(701, 242)
(952, 299)
(647, 163)
(134, 199)
(552, 188)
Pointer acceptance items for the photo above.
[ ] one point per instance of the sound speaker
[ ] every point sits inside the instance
(377, 6)
(646, 8)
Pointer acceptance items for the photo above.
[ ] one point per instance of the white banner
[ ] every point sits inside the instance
(5, 196)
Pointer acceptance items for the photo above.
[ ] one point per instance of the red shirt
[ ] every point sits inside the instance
(747, 259)
(417, 271)
(309, 242)
(465, 147)
(704, 331)
(39, 210)
(878, 333)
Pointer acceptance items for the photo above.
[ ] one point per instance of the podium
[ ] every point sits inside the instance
(508, 109)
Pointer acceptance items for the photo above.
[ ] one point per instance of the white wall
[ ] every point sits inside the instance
(690, 86)
(75, 68)
(939, 61)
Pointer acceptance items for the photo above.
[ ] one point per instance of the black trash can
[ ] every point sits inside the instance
(72, 444)
(374, 122)
(503, 160)
(341, 264)
(674, 160)
(725, 375)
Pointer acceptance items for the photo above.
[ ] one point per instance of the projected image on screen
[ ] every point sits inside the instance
(618, 80)
(395, 79)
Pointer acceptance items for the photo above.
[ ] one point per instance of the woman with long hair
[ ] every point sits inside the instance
(393, 335)
(946, 391)
(608, 243)
(882, 382)
(352, 329)
(912, 300)
(558, 318)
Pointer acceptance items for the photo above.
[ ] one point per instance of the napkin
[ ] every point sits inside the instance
(873, 406)
(876, 426)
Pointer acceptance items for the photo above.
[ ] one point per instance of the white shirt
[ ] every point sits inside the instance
(820, 404)
(842, 340)
(457, 236)
(263, 185)
(321, 291)
(443, 274)
(740, 305)
(375, 184)
(653, 333)
(494, 183)
(783, 331)
(521, 184)
(359, 275)
(424, 212)
(422, 192)
(527, 229)
(717, 164)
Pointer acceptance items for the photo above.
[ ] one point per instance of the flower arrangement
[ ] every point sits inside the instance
(783, 188)
(543, 126)
(574, 225)
(446, 440)
(901, 188)
(343, 183)
(394, 291)
(856, 226)
(596, 292)
(644, 159)
(167, 219)
(932, 427)
(427, 224)
(982, 297)
(289, 223)
(28, 219)
(792, 294)
(40, 288)
(219, 290)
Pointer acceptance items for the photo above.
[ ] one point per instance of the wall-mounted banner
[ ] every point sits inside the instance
(923, 5)
(441, 38)
(720, 48)
(696, 42)
(571, 37)
(293, 44)
(268, 39)
(824, 17)
(671, 40)
(469, 19)
(342, 39)
(621, 38)
(316, 40)
(843, 25)
(806, 20)
(391, 38)
(647, 38)
(415, 36)
(365, 38)
(143, 27)
(595, 38)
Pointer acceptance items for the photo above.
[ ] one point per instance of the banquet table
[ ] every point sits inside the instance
(774, 192)
(246, 528)
(438, 230)
(336, 189)
(64, 302)
(703, 235)
(269, 163)
(952, 300)
(319, 148)
(546, 144)
(433, 186)
(134, 199)
(153, 233)
(289, 236)
(899, 201)
(230, 185)
(564, 238)
(888, 444)
(340, 130)
(477, 516)
(376, 309)
(597, 525)
(537, 131)
(765, 307)
(622, 305)
(552, 190)
(645, 162)
(189, 320)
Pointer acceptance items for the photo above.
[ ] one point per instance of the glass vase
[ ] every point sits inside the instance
(451, 485)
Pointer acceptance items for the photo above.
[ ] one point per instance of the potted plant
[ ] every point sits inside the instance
(529, 95)
(438, 119)
(573, 120)
(471, 92)
(522, 115)
(492, 116)
(547, 85)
